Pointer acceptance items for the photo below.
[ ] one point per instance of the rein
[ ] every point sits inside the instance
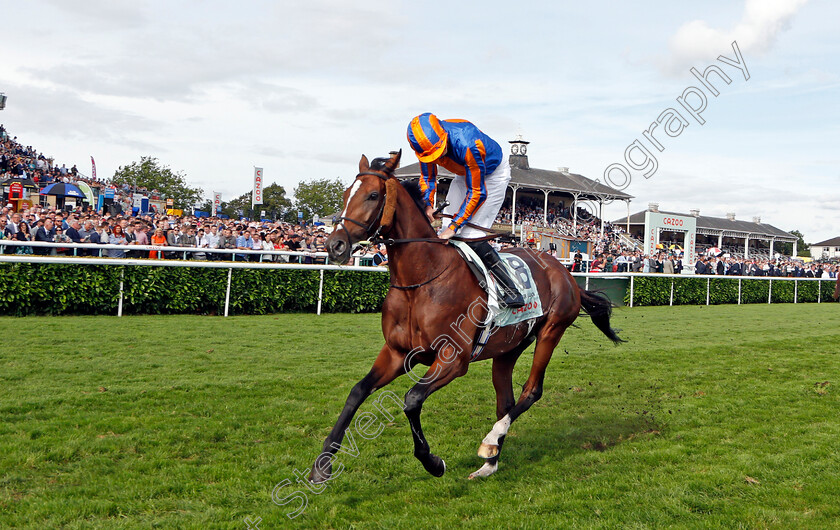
(386, 213)
(416, 285)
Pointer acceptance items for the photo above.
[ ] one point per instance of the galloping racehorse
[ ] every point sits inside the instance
(430, 316)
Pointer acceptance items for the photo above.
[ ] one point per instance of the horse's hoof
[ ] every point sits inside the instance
(487, 450)
(484, 471)
(318, 477)
(435, 465)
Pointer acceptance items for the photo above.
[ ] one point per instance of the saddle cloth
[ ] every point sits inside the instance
(521, 274)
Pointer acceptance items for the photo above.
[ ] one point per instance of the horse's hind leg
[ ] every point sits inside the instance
(548, 338)
(503, 383)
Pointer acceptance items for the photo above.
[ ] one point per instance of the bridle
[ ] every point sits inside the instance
(375, 237)
(376, 219)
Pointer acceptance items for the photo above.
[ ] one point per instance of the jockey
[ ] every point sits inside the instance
(463, 149)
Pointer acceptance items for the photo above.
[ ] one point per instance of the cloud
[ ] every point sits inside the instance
(180, 58)
(62, 112)
(123, 15)
(759, 28)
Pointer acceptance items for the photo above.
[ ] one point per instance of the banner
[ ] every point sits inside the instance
(258, 186)
(86, 190)
(93, 167)
(217, 203)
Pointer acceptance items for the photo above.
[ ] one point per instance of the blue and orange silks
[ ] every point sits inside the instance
(460, 147)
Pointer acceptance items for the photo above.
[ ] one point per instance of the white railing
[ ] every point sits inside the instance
(709, 277)
(230, 265)
(184, 251)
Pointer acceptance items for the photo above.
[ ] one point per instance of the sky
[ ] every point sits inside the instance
(303, 88)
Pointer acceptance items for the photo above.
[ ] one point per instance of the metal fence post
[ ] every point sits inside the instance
(227, 293)
(795, 290)
(819, 291)
(708, 288)
(739, 291)
(671, 303)
(770, 292)
(631, 290)
(586, 283)
(122, 278)
(320, 291)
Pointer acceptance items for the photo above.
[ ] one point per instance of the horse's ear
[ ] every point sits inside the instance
(364, 165)
(394, 162)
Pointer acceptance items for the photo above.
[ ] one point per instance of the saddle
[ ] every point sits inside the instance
(497, 315)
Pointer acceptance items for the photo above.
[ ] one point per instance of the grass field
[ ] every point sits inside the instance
(709, 417)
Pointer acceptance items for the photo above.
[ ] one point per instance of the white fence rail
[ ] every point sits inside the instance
(230, 265)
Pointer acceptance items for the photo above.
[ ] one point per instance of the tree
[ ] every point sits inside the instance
(240, 206)
(319, 196)
(275, 203)
(802, 248)
(152, 175)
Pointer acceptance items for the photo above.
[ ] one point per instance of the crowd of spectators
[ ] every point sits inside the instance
(723, 265)
(110, 226)
(612, 250)
(86, 226)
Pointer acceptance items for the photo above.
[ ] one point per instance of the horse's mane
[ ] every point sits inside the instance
(411, 186)
(416, 194)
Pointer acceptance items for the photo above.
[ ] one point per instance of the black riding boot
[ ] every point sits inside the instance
(512, 297)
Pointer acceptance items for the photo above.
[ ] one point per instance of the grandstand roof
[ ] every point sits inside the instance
(524, 176)
(833, 242)
(720, 224)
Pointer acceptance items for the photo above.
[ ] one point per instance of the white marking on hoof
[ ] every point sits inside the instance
(484, 471)
(500, 428)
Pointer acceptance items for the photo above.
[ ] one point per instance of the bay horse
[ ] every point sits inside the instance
(429, 316)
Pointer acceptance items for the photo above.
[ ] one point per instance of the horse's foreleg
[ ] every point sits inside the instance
(531, 392)
(387, 367)
(440, 373)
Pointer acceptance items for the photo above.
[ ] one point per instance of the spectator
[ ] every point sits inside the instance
(23, 235)
(158, 239)
(173, 235)
(668, 265)
(45, 234)
(212, 239)
(381, 256)
(243, 242)
(227, 242)
(74, 231)
(187, 239)
(117, 237)
(61, 237)
(200, 242)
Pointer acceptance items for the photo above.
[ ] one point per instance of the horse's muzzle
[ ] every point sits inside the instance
(338, 249)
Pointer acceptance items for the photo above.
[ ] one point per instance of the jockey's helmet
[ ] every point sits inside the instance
(427, 137)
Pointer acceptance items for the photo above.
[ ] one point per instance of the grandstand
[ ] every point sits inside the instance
(741, 239)
(540, 197)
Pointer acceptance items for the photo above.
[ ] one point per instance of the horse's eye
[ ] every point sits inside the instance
(373, 196)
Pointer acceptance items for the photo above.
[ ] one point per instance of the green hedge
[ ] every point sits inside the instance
(44, 289)
(692, 291)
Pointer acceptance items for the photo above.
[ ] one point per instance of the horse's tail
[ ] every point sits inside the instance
(599, 309)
